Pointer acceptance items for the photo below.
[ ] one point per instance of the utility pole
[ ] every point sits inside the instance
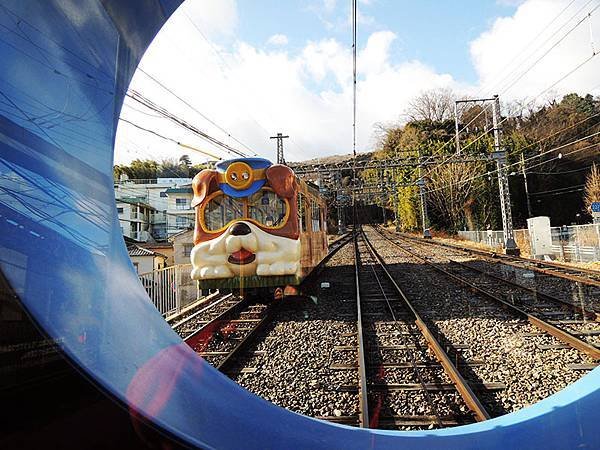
(529, 214)
(456, 136)
(510, 246)
(384, 198)
(280, 137)
(340, 200)
(395, 202)
(424, 216)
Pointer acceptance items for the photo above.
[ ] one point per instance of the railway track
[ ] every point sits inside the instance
(574, 325)
(224, 338)
(217, 308)
(222, 329)
(582, 275)
(406, 379)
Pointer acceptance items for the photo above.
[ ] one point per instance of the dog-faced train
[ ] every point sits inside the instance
(258, 226)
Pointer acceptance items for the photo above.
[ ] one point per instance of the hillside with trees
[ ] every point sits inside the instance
(556, 145)
(149, 169)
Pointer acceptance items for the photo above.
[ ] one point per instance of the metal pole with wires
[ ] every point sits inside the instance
(280, 157)
(422, 195)
(510, 246)
(524, 171)
(354, 34)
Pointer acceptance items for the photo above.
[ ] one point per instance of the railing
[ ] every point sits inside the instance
(580, 243)
(171, 288)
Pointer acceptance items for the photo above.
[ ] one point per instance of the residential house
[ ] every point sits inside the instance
(145, 260)
(183, 243)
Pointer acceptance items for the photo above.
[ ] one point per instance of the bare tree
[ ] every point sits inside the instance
(453, 191)
(592, 187)
(435, 105)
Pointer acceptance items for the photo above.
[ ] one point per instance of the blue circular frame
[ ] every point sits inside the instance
(61, 249)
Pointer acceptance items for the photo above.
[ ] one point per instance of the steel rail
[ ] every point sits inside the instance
(228, 362)
(553, 268)
(246, 341)
(461, 384)
(363, 399)
(560, 334)
(589, 313)
(580, 309)
(208, 307)
(191, 338)
(413, 361)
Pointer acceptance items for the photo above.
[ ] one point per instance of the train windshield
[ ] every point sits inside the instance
(221, 210)
(267, 208)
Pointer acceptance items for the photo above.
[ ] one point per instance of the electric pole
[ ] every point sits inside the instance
(424, 216)
(395, 202)
(510, 246)
(280, 137)
(384, 198)
(456, 137)
(529, 214)
(499, 155)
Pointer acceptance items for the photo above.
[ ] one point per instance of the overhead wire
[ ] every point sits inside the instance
(506, 88)
(143, 100)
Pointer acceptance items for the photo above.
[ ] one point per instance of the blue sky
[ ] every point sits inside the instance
(258, 67)
(433, 31)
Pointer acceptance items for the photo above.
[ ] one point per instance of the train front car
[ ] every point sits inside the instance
(246, 233)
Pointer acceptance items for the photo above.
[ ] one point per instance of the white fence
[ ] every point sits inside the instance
(580, 243)
(171, 288)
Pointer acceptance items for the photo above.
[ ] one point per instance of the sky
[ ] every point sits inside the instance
(248, 69)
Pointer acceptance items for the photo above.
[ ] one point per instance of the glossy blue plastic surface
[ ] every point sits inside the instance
(65, 65)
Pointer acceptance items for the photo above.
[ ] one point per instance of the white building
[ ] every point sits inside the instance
(180, 214)
(135, 218)
(152, 193)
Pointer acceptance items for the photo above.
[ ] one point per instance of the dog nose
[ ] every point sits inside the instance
(240, 229)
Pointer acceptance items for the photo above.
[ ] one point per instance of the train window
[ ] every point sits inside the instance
(302, 212)
(267, 208)
(221, 210)
(316, 217)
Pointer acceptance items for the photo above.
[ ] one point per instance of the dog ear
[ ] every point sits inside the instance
(282, 180)
(203, 184)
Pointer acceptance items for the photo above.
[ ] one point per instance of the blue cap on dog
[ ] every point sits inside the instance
(242, 177)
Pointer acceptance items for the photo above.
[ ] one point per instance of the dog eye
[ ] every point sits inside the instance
(245, 175)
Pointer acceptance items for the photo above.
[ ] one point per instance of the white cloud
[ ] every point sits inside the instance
(255, 92)
(329, 5)
(278, 39)
(214, 17)
(513, 44)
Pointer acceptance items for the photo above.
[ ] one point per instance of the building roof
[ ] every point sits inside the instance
(136, 250)
(157, 245)
(187, 189)
(180, 234)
